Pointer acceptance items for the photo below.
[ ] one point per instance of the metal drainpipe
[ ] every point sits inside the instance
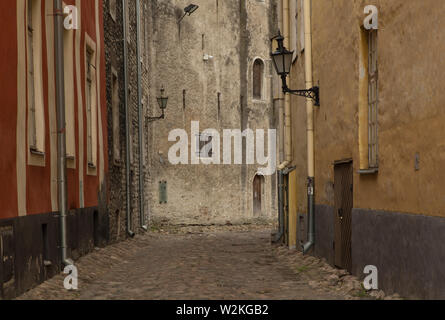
(310, 129)
(61, 137)
(127, 121)
(280, 232)
(140, 117)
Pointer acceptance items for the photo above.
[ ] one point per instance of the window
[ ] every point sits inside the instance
(204, 145)
(127, 20)
(372, 100)
(301, 34)
(112, 4)
(293, 24)
(258, 69)
(31, 89)
(36, 121)
(146, 33)
(115, 116)
(68, 61)
(91, 104)
(368, 102)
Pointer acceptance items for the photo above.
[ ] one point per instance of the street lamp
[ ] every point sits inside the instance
(162, 102)
(189, 10)
(282, 61)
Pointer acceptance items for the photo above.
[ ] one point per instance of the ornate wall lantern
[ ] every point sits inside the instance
(282, 61)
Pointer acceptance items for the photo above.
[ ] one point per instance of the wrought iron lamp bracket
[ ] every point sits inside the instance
(312, 93)
(152, 119)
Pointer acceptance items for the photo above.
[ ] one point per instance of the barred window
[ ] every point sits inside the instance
(32, 130)
(373, 100)
(91, 104)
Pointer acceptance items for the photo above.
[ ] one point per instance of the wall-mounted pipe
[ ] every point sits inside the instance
(61, 128)
(140, 118)
(127, 121)
(310, 129)
(287, 106)
(280, 231)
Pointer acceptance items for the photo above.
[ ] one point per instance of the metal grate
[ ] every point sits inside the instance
(162, 192)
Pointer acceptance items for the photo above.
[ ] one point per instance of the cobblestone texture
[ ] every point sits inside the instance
(203, 262)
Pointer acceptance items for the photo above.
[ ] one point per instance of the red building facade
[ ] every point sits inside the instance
(29, 225)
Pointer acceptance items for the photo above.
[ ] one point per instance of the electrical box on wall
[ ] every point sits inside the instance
(162, 192)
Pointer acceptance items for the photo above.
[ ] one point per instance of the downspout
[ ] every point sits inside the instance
(287, 106)
(61, 126)
(280, 97)
(280, 231)
(127, 120)
(140, 117)
(310, 129)
(284, 22)
(280, 94)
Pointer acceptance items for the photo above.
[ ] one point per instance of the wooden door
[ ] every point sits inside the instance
(257, 190)
(343, 192)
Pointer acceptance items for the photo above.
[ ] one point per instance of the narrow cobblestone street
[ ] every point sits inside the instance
(228, 262)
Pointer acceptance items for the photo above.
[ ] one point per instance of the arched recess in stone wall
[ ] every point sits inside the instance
(258, 78)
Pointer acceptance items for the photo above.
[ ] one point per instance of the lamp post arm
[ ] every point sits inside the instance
(312, 93)
(182, 17)
(152, 119)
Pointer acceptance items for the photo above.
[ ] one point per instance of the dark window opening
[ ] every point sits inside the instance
(258, 69)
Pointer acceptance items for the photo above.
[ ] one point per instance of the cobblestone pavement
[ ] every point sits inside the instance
(224, 262)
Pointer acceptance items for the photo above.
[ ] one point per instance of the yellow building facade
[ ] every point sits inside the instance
(379, 142)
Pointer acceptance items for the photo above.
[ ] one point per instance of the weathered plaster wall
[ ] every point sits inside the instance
(410, 42)
(235, 33)
(397, 220)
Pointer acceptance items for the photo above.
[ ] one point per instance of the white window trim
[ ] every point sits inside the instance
(36, 111)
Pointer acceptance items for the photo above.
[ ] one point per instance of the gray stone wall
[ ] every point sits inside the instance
(114, 37)
(234, 33)
(216, 92)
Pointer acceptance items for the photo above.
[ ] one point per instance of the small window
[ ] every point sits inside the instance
(204, 145)
(91, 104)
(258, 70)
(115, 116)
(36, 119)
(300, 32)
(127, 20)
(68, 62)
(112, 4)
(31, 89)
(146, 33)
